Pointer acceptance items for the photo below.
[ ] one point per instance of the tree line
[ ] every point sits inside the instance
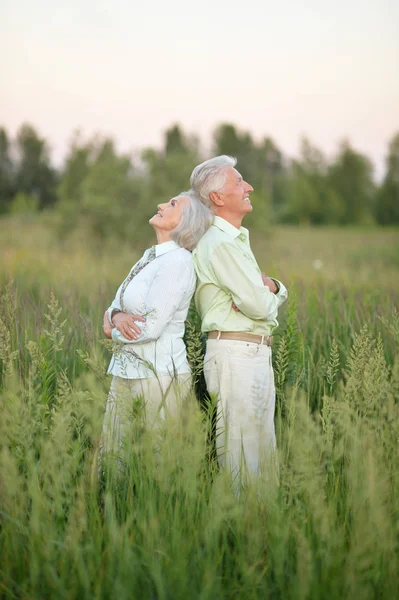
(112, 193)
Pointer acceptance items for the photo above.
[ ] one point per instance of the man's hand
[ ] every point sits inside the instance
(266, 281)
(269, 283)
(125, 323)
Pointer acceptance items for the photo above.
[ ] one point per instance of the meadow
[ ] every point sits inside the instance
(172, 528)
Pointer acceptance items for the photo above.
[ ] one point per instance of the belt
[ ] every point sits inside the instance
(241, 337)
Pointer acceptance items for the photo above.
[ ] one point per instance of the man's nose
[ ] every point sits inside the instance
(161, 206)
(248, 187)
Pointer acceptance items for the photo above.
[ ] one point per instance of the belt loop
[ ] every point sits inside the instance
(218, 337)
(262, 340)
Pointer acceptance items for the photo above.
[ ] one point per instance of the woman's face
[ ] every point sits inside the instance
(168, 215)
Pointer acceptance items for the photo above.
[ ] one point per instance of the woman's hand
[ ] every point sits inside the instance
(107, 327)
(125, 323)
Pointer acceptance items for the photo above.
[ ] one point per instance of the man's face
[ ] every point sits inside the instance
(235, 193)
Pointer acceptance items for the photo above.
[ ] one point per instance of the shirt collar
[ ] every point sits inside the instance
(228, 228)
(165, 247)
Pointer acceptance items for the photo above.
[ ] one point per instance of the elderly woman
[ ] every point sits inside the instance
(146, 320)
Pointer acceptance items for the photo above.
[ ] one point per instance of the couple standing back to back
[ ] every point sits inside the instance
(200, 234)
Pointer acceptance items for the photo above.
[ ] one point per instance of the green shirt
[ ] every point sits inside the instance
(227, 272)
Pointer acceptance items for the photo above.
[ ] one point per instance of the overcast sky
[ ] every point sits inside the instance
(130, 69)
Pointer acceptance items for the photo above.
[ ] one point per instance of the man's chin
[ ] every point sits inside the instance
(248, 209)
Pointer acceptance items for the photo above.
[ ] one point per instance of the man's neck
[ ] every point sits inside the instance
(234, 220)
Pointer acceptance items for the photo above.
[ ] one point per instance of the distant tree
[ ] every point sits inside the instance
(175, 140)
(76, 168)
(229, 140)
(6, 172)
(308, 197)
(100, 192)
(34, 174)
(110, 195)
(166, 176)
(303, 203)
(271, 169)
(261, 164)
(168, 170)
(387, 205)
(350, 176)
(77, 165)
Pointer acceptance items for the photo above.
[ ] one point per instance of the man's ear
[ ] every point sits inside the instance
(216, 198)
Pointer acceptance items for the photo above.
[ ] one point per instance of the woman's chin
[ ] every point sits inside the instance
(153, 220)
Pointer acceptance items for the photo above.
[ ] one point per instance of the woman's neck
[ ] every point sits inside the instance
(162, 236)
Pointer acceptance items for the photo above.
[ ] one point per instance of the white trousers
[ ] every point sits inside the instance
(241, 375)
(144, 402)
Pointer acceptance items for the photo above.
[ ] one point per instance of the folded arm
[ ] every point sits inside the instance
(170, 285)
(114, 317)
(115, 306)
(240, 278)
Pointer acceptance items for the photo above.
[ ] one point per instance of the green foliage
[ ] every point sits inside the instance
(195, 350)
(304, 192)
(387, 205)
(70, 193)
(259, 163)
(34, 174)
(6, 172)
(367, 387)
(113, 196)
(8, 352)
(260, 218)
(177, 521)
(103, 192)
(332, 367)
(23, 204)
(169, 525)
(108, 194)
(176, 142)
(289, 363)
(98, 192)
(350, 176)
(169, 170)
(307, 191)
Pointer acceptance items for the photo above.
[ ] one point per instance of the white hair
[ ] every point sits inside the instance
(195, 220)
(210, 176)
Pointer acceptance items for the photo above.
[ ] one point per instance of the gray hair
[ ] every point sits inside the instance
(210, 176)
(195, 220)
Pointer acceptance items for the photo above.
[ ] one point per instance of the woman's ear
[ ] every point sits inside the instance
(216, 198)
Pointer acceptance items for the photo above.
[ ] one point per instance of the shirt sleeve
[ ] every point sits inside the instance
(115, 306)
(282, 293)
(239, 277)
(172, 283)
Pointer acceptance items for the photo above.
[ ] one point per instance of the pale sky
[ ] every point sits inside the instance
(130, 69)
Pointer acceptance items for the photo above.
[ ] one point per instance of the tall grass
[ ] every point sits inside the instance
(169, 525)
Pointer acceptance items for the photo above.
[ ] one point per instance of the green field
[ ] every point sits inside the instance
(171, 527)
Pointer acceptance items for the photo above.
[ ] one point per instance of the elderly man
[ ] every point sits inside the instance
(238, 306)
